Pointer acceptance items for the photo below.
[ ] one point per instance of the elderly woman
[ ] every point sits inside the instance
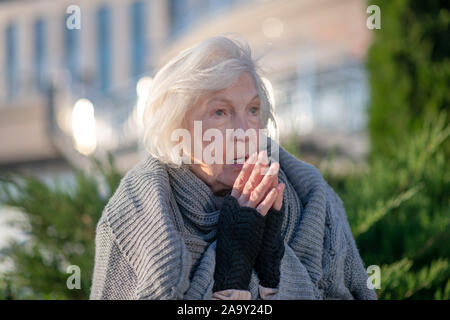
(247, 225)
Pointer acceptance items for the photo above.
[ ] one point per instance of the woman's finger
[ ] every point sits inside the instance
(279, 201)
(260, 192)
(243, 176)
(275, 178)
(268, 201)
(255, 177)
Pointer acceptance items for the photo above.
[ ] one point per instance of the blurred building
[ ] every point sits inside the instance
(67, 93)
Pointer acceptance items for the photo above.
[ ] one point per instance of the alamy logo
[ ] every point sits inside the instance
(374, 279)
(220, 149)
(74, 281)
(374, 20)
(73, 21)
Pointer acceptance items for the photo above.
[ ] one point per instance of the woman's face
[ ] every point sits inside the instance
(236, 107)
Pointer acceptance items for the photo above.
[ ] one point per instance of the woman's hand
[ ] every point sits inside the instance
(257, 187)
(257, 184)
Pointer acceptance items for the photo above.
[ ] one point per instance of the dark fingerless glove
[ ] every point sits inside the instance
(239, 236)
(268, 262)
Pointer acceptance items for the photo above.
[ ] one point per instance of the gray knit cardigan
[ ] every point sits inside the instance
(156, 238)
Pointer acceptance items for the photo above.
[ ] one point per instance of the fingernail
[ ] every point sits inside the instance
(277, 166)
(274, 168)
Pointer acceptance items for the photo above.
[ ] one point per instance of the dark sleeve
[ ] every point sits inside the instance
(239, 236)
(268, 261)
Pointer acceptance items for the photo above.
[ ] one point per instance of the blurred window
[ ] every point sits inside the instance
(184, 14)
(104, 48)
(177, 16)
(71, 51)
(218, 5)
(40, 53)
(138, 43)
(11, 61)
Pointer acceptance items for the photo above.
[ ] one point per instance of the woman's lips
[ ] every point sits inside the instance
(241, 159)
(239, 165)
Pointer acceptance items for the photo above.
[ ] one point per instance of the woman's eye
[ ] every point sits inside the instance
(219, 112)
(254, 110)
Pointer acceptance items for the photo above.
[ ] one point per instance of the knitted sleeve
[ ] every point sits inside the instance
(355, 275)
(268, 262)
(239, 236)
(124, 267)
(113, 278)
(356, 279)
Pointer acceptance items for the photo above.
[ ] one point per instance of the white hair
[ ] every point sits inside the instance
(212, 64)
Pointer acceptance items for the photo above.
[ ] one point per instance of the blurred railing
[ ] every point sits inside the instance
(83, 121)
(333, 99)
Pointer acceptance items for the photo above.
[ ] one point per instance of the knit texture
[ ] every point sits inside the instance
(239, 236)
(156, 238)
(268, 262)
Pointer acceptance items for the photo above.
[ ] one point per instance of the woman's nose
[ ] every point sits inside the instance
(240, 125)
(244, 136)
